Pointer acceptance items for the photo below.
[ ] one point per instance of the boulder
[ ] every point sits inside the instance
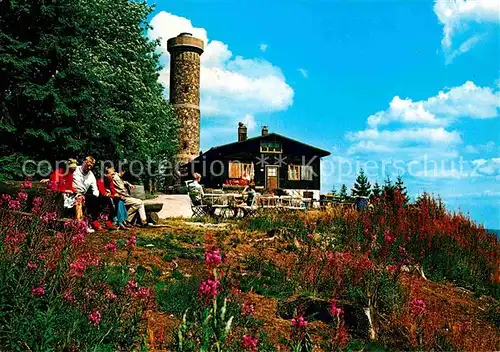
(317, 309)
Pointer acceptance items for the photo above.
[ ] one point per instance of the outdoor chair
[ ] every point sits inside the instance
(199, 210)
(249, 210)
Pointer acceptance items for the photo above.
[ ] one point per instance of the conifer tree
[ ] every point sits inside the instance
(343, 192)
(362, 187)
(333, 191)
(376, 190)
(400, 186)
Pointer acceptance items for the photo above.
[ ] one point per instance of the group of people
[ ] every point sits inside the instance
(107, 196)
(196, 191)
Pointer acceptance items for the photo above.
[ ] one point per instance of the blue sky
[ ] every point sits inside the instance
(415, 83)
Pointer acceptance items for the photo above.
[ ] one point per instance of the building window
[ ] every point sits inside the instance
(294, 172)
(307, 173)
(300, 172)
(241, 170)
(270, 147)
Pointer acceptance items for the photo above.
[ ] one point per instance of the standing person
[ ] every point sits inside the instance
(136, 206)
(85, 185)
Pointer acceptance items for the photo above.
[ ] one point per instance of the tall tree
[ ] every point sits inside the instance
(80, 77)
(333, 191)
(388, 189)
(362, 187)
(376, 191)
(400, 186)
(343, 192)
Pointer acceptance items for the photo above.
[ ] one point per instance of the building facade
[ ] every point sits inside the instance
(274, 162)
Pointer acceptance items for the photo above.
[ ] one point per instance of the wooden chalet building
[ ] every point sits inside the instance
(272, 160)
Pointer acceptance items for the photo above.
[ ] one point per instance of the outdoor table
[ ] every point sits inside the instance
(269, 201)
(223, 201)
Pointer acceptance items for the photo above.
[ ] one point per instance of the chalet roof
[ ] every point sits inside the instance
(221, 148)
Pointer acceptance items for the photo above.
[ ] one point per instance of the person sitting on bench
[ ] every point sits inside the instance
(136, 206)
(84, 183)
(107, 189)
(61, 180)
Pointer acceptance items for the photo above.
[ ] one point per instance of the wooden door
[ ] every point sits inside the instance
(272, 177)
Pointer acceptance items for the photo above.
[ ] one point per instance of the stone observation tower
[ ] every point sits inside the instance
(185, 51)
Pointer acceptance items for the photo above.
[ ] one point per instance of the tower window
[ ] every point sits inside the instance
(185, 145)
(186, 88)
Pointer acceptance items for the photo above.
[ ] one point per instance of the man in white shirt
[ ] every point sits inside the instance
(85, 185)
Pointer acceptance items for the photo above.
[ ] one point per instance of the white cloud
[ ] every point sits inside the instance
(464, 47)
(263, 47)
(303, 72)
(411, 135)
(471, 149)
(484, 148)
(230, 85)
(455, 15)
(441, 173)
(467, 100)
(488, 167)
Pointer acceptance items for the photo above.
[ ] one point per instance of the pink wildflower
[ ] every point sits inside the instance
(110, 247)
(49, 217)
(37, 201)
(248, 308)
(38, 291)
(418, 307)
(249, 343)
(299, 322)
(131, 286)
(32, 266)
(78, 267)
(110, 295)
(213, 257)
(335, 310)
(27, 184)
(68, 297)
(387, 237)
(22, 196)
(78, 239)
(209, 288)
(95, 317)
(14, 238)
(131, 242)
(14, 204)
(143, 294)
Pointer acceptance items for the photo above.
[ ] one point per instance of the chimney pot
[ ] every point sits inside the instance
(242, 132)
(265, 131)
